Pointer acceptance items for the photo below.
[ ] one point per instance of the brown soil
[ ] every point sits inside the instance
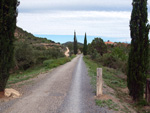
(2, 95)
(104, 97)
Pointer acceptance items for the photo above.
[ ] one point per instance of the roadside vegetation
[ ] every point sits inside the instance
(33, 56)
(36, 70)
(112, 58)
(116, 81)
(132, 60)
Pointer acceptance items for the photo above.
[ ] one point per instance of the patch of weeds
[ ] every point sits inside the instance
(112, 79)
(108, 103)
(104, 86)
(92, 71)
(140, 106)
(121, 100)
(125, 109)
(111, 93)
(25, 75)
(108, 75)
(142, 103)
(56, 62)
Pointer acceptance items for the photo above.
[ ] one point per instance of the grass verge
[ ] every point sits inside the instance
(34, 71)
(112, 78)
(107, 103)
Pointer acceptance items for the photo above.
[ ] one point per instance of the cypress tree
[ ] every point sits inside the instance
(75, 44)
(85, 45)
(138, 56)
(8, 14)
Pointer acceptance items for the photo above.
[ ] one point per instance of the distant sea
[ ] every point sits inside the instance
(80, 38)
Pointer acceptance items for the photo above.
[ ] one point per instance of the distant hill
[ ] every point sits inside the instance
(69, 43)
(22, 35)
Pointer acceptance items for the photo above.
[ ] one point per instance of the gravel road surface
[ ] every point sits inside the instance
(66, 89)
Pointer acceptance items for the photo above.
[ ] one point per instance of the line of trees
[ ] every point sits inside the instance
(82, 49)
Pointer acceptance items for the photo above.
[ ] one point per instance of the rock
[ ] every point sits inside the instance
(12, 93)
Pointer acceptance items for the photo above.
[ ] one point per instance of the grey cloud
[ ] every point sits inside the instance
(74, 5)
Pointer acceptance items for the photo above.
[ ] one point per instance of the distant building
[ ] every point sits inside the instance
(110, 43)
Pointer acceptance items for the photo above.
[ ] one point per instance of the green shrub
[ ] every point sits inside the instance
(24, 55)
(98, 45)
(95, 55)
(120, 53)
(112, 61)
(28, 54)
(109, 103)
(55, 62)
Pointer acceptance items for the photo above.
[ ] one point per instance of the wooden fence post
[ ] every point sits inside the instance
(99, 85)
(148, 90)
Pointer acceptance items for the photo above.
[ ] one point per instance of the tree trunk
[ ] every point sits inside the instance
(148, 90)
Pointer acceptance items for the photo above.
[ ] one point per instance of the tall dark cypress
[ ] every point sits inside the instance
(85, 45)
(75, 44)
(8, 14)
(138, 56)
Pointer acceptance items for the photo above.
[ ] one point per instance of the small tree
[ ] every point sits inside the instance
(8, 14)
(85, 46)
(99, 45)
(138, 56)
(75, 44)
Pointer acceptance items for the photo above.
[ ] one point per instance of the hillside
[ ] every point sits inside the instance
(70, 46)
(71, 43)
(31, 51)
(22, 36)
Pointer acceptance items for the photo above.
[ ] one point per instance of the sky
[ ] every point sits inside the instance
(57, 19)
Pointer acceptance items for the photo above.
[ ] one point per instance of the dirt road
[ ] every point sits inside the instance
(66, 89)
(67, 52)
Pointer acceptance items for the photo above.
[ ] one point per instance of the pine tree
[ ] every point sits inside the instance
(8, 14)
(75, 44)
(138, 56)
(85, 45)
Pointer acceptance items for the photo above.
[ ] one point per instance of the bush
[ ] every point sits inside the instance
(24, 55)
(112, 61)
(55, 62)
(95, 55)
(115, 58)
(27, 55)
(98, 45)
(120, 53)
